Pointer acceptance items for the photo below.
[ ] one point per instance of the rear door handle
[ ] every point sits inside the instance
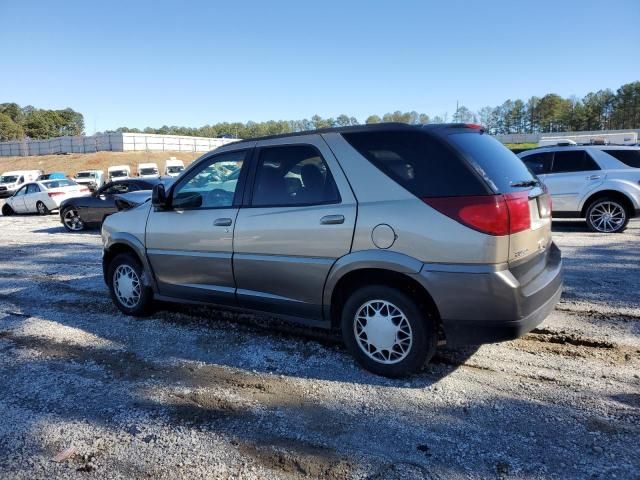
(594, 177)
(222, 222)
(332, 219)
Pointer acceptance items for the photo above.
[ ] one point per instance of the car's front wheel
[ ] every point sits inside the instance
(71, 220)
(125, 277)
(387, 331)
(7, 211)
(607, 215)
(42, 208)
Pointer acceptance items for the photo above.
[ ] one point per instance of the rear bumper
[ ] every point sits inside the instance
(479, 307)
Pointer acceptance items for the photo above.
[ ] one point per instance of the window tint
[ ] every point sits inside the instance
(539, 163)
(630, 158)
(116, 188)
(573, 161)
(212, 184)
(59, 183)
(418, 162)
(33, 188)
(293, 175)
(494, 162)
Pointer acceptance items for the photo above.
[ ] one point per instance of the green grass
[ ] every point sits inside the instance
(521, 146)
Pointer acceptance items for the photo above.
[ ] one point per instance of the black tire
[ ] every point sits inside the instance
(42, 208)
(618, 222)
(422, 331)
(78, 226)
(7, 211)
(143, 306)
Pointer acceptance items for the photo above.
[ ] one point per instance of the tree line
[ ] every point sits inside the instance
(17, 123)
(601, 110)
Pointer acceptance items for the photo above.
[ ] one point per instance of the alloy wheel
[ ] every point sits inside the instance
(607, 216)
(383, 332)
(72, 220)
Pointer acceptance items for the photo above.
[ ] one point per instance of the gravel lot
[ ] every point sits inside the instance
(201, 393)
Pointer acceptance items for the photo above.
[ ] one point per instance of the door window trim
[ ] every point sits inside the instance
(251, 181)
(195, 170)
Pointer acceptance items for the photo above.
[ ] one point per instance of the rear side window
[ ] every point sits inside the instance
(573, 161)
(32, 188)
(418, 162)
(498, 165)
(539, 163)
(630, 158)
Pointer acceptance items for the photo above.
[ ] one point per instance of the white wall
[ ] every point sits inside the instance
(112, 142)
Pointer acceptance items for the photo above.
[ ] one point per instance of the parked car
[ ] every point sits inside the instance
(93, 179)
(148, 170)
(42, 197)
(401, 236)
(119, 172)
(77, 214)
(52, 176)
(598, 183)
(10, 182)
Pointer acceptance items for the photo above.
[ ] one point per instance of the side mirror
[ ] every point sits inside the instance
(159, 197)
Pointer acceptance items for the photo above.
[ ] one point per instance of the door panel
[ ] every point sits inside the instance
(573, 172)
(190, 246)
(283, 253)
(17, 200)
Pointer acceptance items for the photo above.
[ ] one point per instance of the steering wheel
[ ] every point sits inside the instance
(218, 198)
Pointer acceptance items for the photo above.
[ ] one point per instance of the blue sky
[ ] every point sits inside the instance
(191, 63)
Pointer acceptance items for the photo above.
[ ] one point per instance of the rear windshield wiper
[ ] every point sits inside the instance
(525, 183)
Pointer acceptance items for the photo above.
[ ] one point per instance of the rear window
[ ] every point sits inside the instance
(498, 165)
(418, 162)
(630, 158)
(58, 183)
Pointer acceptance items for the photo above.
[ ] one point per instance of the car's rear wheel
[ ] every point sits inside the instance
(7, 211)
(387, 331)
(125, 277)
(71, 220)
(607, 215)
(42, 208)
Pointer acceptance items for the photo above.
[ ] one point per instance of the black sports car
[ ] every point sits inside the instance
(79, 213)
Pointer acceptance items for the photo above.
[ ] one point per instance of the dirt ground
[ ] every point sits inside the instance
(75, 162)
(202, 393)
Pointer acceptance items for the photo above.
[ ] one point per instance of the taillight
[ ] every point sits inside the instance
(491, 214)
(54, 194)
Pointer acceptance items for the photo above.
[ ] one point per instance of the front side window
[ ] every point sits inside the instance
(20, 192)
(293, 175)
(212, 185)
(573, 161)
(539, 163)
(116, 188)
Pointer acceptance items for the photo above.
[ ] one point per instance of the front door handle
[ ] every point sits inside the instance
(593, 177)
(332, 220)
(222, 222)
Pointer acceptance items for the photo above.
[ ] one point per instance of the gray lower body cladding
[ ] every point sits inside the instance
(479, 307)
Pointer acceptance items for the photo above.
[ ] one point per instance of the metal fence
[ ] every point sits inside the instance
(112, 142)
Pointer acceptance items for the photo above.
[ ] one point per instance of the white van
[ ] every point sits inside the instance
(119, 172)
(11, 181)
(173, 167)
(148, 170)
(93, 179)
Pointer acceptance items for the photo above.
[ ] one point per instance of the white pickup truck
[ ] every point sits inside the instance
(173, 167)
(148, 170)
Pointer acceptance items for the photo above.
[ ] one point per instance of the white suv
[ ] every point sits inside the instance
(598, 183)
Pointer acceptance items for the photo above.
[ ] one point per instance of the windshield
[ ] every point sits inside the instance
(498, 165)
(8, 179)
(175, 169)
(118, 173)
(58, 183)
(148, 171)
(630, 158)
(85, 175)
